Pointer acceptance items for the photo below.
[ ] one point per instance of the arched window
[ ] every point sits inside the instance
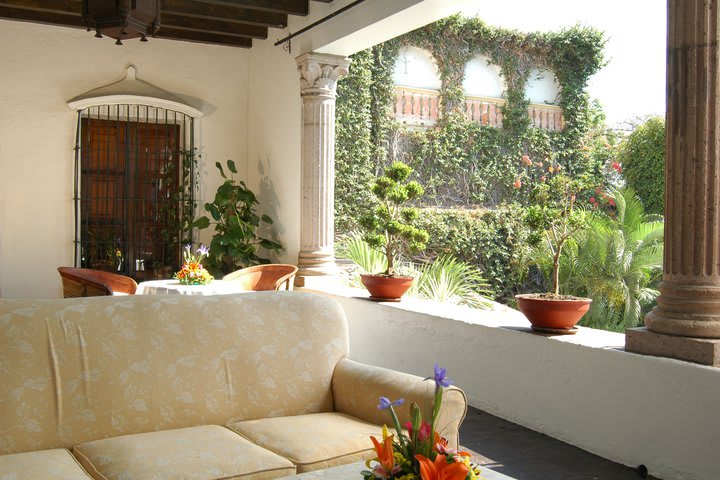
(415, 68)
(134, 178)
(483, 79)
(542, 87)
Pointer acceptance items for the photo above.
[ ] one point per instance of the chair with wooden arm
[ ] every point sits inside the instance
(272, 276)
(86, 282)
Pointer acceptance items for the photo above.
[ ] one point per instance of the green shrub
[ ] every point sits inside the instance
(494, 240)
(642, 155)
(617, 262)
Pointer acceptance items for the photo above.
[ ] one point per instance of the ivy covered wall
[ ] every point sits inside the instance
(462, 164)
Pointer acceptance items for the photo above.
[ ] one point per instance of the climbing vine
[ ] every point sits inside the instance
(460, 162)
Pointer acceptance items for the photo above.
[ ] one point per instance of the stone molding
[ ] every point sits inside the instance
(319, 74)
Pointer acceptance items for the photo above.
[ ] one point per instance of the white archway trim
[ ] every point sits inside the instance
(127, 99)
(133, 91)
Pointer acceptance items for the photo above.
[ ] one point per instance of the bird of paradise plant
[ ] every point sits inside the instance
(192, 271)
(418, 452)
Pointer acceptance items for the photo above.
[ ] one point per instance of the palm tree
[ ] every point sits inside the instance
(616, 261)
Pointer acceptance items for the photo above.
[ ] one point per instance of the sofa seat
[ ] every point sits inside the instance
(209, 452)
(315, 441)
(36, 465)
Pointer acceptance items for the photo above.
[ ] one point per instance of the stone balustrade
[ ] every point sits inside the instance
(419, 108)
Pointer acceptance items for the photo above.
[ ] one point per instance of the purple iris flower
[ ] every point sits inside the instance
(203, 250)
(188, 247)
(385, 403)
(441, 379)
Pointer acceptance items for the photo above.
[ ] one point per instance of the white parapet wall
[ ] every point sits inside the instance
(582, 389)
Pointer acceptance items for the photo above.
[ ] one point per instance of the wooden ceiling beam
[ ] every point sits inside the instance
(178, 22)
(55, 6)
(47, 17)
(293, 7)
(194, 9)
(203, 37)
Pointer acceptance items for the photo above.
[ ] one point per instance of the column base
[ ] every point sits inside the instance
(315, 264)
(704, 351)
(686, 309)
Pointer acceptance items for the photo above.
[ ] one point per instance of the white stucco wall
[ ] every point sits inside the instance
(45, 66)
(581, 389)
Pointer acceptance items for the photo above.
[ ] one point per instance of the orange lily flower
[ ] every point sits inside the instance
(441, 470)
(385, 454)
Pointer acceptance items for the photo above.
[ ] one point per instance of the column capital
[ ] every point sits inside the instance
(319, 73)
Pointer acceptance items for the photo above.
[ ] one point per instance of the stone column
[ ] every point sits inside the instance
(688, 307)
(318, 81)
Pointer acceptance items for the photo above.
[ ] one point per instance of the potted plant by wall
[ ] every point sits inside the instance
(556, 218)
(236, 243)
(390, 228)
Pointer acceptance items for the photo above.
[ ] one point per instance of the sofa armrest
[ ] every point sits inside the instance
(357, 387)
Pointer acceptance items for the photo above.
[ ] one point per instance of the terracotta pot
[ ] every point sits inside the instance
(386, 288)
(553, 315)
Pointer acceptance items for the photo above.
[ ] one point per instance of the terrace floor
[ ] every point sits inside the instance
(523, 454)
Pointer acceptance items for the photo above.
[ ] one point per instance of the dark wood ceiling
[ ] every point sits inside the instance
(225, 22)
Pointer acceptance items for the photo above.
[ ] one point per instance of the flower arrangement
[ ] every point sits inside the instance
(192, 272)
(421, 453)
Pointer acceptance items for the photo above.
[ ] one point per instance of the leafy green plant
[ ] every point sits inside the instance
(642, 155)
(353, 247)
(554, 216)
(617, 262)
(236, 243)
(445, 279)
(390, 226)
(448, 280)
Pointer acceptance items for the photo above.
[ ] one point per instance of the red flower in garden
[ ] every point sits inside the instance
(616, 166)
(611, 202)
(526, 160)
(517, 183)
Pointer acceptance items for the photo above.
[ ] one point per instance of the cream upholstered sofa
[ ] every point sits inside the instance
(255, 385)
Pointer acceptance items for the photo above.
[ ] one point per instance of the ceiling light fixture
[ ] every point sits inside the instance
(122, 19)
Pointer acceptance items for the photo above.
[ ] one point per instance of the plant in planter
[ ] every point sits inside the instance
(236, 243)
(556, 219)
(390, 228)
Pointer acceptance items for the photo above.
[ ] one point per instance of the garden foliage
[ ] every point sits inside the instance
(642, 155)
(479, 192)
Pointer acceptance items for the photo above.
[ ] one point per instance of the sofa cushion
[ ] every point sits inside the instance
(315, 441)
(36, 465)
(198, 453)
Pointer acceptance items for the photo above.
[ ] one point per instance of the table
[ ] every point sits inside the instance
(174, 287)
(351, 471)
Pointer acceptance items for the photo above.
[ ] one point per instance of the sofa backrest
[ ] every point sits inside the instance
(75, 370)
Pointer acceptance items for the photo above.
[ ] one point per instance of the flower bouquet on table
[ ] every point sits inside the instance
(418, 452)
(192, 272)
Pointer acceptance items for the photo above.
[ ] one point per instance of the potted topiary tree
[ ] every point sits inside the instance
(390, 228)
(555, 218)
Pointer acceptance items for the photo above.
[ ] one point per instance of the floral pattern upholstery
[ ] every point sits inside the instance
(313, 442)
(77, 370)
(209, 452)
(139, 386)
(36, 465)
(356, 388)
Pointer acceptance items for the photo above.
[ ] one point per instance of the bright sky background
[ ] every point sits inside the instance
(632, 84)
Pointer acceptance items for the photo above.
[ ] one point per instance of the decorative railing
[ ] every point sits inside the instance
(419, 108)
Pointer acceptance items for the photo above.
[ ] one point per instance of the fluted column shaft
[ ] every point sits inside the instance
(689, 301)
(318, 83)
